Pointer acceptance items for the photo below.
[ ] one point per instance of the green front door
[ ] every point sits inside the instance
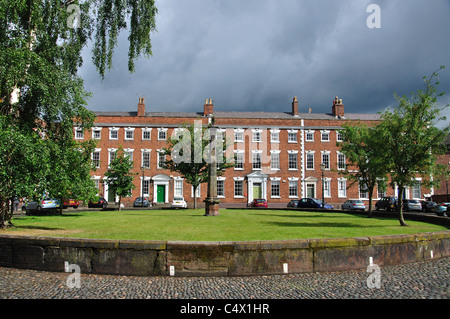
(161, 194)
(257, 190)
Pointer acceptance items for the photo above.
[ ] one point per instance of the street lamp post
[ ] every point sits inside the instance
(142, 186)
(322, 168)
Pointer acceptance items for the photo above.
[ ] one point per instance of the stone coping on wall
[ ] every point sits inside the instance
(227, 258)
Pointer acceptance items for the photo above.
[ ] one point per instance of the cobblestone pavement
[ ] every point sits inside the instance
(425, 280)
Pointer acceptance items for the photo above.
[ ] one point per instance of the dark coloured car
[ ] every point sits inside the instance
(441, 209)
(387, 203)
(428, 206)
(293, 203)
(259, 202)
(312, 203)
(141, 202)
(412, 205)
(99, 203)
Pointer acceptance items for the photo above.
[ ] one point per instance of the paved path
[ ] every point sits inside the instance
(427, 280)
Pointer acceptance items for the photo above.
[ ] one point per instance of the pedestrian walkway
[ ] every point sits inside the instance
(428, 280)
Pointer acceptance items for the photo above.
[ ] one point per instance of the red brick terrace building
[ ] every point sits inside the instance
(280, 155)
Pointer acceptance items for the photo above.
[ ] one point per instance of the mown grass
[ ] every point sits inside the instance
(231, 225)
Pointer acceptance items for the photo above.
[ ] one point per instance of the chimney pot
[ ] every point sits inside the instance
(338, 108)
(141, 107)
(295, 107)
(208, 107)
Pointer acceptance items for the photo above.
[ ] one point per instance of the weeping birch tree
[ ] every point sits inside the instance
(40, 55)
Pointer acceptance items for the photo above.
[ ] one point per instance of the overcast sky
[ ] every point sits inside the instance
(256, 55)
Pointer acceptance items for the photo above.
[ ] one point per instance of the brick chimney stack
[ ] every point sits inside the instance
(141, 107)
(295, 107)
(208, 107)
(338, 108)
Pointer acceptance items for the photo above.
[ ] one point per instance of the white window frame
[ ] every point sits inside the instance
(238, 135)
(275, 160)
(145, 152)
(328, 154)
(341, 160)
(158, 159)
(342, 187)
(324, 133)
(240, 158)
(149, 131)
(291, 134)
(256, 135)
(127, 131)
(274, 136)
(292, 154)
(111, 130)
(160, 131)
(79, 133)
(96, 151)
(293, 181)
(97, 130)
(308, 155)
(307, 135)
(239, 181)
(257, 158)
(275, 181)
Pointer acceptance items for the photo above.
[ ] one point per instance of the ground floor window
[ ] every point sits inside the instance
(275, 188)
(220, 188)
(342, 188)
(416, 190)
(293, 189)
(238, 188)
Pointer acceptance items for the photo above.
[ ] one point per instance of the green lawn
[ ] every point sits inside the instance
(191, 225)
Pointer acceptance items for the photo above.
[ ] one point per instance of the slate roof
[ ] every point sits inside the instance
(247, 115)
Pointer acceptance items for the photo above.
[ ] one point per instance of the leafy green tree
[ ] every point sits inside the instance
(362, 147)
(411, 140)
(188, 155)
(20, 151)
(40, 54)
(119, 177)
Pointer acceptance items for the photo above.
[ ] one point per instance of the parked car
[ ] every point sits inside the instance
(259, 202)
(312, 203)
(293, 203)
(101, 202)
(354, 204)
(71, 203)
(39, 206)
(412, 205)
(179, 202)
(428, 206)
(141, 202)
(387, 203)
(441, 209)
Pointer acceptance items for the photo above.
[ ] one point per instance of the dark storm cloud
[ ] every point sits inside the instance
(259, 54)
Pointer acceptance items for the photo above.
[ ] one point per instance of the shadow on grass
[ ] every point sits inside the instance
(322, 224)
(36, 228)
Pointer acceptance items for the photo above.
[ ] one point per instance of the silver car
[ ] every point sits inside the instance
(45, 204)
(412, 205)
(354, 204)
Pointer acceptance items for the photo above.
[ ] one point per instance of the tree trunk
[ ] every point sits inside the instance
(400, 206)
(369, 214)
(195, 197)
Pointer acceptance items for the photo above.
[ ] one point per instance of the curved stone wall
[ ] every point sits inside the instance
(159, 258)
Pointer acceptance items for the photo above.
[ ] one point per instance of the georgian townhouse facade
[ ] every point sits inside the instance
(279, 156)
